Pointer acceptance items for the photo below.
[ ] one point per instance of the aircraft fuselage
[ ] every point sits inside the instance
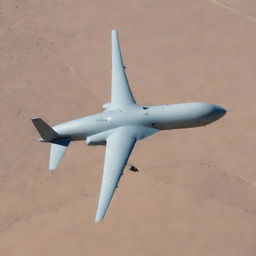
(163, 117)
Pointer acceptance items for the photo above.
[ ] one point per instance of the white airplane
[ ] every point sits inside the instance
(120, 125)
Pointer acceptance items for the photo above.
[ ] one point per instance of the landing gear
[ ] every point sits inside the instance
(133, 168)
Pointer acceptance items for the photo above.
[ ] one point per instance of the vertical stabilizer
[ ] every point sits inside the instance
(58, 148)
(46, 131)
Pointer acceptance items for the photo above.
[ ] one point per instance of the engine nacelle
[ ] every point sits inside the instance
(106, 105)
(98, 139)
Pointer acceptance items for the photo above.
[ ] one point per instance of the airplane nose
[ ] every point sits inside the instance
(219, 111)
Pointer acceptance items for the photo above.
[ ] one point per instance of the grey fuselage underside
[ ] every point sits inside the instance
(163, 117)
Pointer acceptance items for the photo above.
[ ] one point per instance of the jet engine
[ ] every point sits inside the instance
(98, 139)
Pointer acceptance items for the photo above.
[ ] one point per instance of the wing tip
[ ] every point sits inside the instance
(100, 215)
(98, 219)
(114, 32)
(51, 167)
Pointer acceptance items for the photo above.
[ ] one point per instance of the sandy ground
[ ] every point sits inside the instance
(195, 192)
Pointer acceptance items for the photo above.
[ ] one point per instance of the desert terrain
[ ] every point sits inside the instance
(196, 189)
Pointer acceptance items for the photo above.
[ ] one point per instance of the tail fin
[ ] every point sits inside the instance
(58, 145)
(46, 132)
(58, 148)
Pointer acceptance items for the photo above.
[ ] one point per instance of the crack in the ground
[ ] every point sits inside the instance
(17, 24)
(41, 210)
(74, 74)
(232, 9)
(228, 199)
(206, 164)
(21, 21)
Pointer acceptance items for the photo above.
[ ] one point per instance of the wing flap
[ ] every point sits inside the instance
(118, 149)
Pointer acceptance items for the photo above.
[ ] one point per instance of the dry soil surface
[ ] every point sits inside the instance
(195, 192)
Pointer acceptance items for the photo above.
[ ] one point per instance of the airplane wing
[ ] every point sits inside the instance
(118, 149)
(121, 94)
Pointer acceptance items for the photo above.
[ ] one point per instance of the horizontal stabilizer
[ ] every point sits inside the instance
(46, 132)
(58, 148)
